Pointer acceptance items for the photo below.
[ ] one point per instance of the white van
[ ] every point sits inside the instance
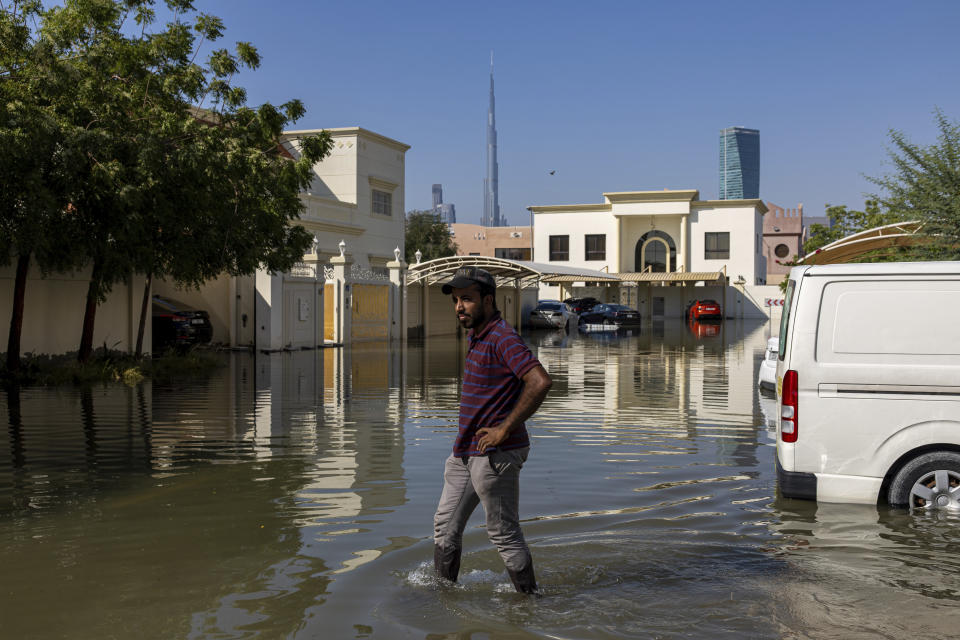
(868, 384)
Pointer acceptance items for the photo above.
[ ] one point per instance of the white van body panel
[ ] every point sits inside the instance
(916, 436)
(849, 489)
(877, 353)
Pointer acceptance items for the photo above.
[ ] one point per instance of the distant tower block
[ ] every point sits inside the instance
(739, 163)
(447, 212)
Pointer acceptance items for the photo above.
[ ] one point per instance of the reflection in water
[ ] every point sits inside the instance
(862, 571)
(291, 495)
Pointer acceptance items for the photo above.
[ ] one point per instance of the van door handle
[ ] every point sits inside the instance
(827, 390)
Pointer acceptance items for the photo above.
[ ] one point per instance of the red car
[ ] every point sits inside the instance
(704, 311)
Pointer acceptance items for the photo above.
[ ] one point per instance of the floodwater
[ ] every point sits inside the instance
(291, 496)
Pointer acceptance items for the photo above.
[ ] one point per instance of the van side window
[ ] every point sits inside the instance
(785, 318)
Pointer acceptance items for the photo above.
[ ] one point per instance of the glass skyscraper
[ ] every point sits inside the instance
(739, 163)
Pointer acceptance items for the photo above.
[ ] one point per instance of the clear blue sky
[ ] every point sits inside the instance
(614, 96)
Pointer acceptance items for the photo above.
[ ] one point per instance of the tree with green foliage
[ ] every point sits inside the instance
(427, 233)
(159, 186)
(36, 167)
(925, 186)
(845, 222)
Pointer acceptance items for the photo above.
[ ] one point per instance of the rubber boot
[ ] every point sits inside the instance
(524, 580)
(447, 562)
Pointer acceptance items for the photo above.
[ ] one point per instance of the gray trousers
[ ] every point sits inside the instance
(494, 481)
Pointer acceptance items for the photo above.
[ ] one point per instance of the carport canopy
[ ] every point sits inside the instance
(852, 247)
(508, 273)
(707, 277)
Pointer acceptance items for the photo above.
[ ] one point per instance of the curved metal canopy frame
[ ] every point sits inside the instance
(507, 272)
(848, 249)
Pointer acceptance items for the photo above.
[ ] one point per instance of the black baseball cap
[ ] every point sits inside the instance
(468, 276)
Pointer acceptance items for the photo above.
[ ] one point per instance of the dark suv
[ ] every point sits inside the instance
(581, 305)
(178, 325)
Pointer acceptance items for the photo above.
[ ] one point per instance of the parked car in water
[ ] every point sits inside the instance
(178, 325)
(868, 385)
(617, 315)
(767, 377)
(550, 314)
(704, 311)
(581, 305)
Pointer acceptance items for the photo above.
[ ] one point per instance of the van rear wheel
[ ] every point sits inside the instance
(930, 481)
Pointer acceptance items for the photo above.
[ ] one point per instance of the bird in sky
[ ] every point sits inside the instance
(553, 171)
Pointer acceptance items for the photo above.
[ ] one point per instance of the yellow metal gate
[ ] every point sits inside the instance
(329, 317)
(370, 312)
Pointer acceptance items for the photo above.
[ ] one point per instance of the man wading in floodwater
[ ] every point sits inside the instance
(503, 385)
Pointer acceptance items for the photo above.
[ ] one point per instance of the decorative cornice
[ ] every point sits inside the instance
(570, 208)
(380, 183)
(751, 202)
(339, 132)
(680, 195)
(333, 227)
(328, 202)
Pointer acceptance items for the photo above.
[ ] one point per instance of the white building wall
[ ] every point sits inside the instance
(54, 307)
(380, 164)
(337, 173)
(761, 258)
(576, 225)
(743, 224)
(340, 201)
(635, 227)
(653, 208)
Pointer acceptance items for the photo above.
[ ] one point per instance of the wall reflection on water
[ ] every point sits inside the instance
(665, 377)
(196, 502)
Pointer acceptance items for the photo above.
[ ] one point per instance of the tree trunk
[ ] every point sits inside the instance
(16, 317)
(143, 314)
(89, 315)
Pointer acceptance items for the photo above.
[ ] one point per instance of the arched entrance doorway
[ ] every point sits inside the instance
(656, 250)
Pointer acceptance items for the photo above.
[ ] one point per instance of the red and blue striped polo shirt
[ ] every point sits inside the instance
(496, 361)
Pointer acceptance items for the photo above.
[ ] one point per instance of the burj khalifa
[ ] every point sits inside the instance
(491, 188)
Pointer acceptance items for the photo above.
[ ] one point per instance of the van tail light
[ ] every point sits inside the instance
(788, 407)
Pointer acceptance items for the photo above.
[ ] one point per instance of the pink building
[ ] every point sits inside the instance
(496, 242)
(783, 236)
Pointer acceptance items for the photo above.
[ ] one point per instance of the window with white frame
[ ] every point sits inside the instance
(382, 202)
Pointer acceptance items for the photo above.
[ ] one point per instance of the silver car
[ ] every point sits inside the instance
(551, 314)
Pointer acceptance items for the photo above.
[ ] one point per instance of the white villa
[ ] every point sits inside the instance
(659, 244)
(357, 196)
